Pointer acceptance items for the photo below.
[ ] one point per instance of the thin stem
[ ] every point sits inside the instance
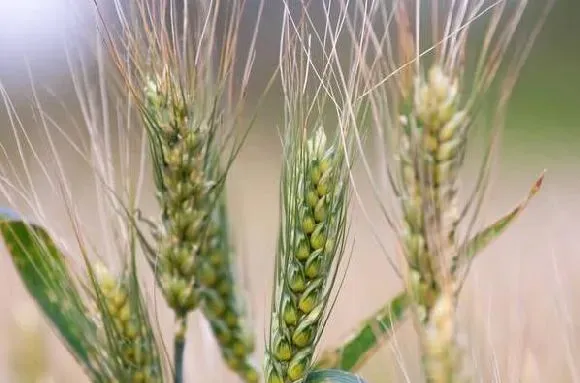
(179, 347)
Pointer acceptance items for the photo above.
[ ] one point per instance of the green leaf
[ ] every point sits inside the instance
(482, 239)
(43, 271)
(367, 339)
(332, 376)
(373, 333)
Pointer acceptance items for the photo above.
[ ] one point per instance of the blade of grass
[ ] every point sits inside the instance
(42, 269)
(353, 353)
(482, 239)
(374, 332)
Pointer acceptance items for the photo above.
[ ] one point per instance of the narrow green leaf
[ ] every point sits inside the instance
(333, 376)
(482, 239)
(372, 334)
(367, 339)
(42, 268)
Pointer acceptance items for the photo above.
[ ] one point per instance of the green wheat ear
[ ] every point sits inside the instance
(310, 247)
(183, 154)
(222, 303)
(125, 326)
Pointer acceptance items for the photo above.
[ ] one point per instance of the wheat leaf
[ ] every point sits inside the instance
(333, 376)
(480, 241)
(367, 339)
(43, 271)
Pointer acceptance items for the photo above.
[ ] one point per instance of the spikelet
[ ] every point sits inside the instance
(312, 234)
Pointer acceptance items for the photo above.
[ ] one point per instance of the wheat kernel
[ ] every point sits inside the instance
(308, 224)
(309, 298)
(186, 267)
(272, 374)
(303, 251)
(320, 211)
(231, 319)
(214, 303)
(206, 273)
(318, 239)
(312, 198)
(323, 186)
(413, 212)
(139, 377)
(119, 298)
(224, 287)
(415, 244)
(430, 143)
(289, 312)
(448, 149)
(302, 336)
(251, 375)
(298, 365)
(221, 331)
(239, 349)
(326, 162)
(124, 313)
(296, 279)
(216, 258)
(313, 264)
(315, 175)
(450, 129)
(442, 172)
(282, 350)
(232, 361)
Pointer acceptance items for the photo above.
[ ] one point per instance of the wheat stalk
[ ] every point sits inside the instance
(314, 188)
(182, 76)
(425, 104)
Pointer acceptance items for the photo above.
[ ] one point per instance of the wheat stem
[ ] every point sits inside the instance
(179, 347)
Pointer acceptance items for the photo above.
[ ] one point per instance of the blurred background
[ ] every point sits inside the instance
(520, 309)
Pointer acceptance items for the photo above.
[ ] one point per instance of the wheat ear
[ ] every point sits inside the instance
(180, 61)
(120, 316)
(425, 102)
(223, 305)
(431, 154)
(313, 225)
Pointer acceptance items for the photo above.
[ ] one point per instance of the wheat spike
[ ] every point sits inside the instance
(314, 225)
(431, 153)
(222, 303)
(118, 315)
(186, 190)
